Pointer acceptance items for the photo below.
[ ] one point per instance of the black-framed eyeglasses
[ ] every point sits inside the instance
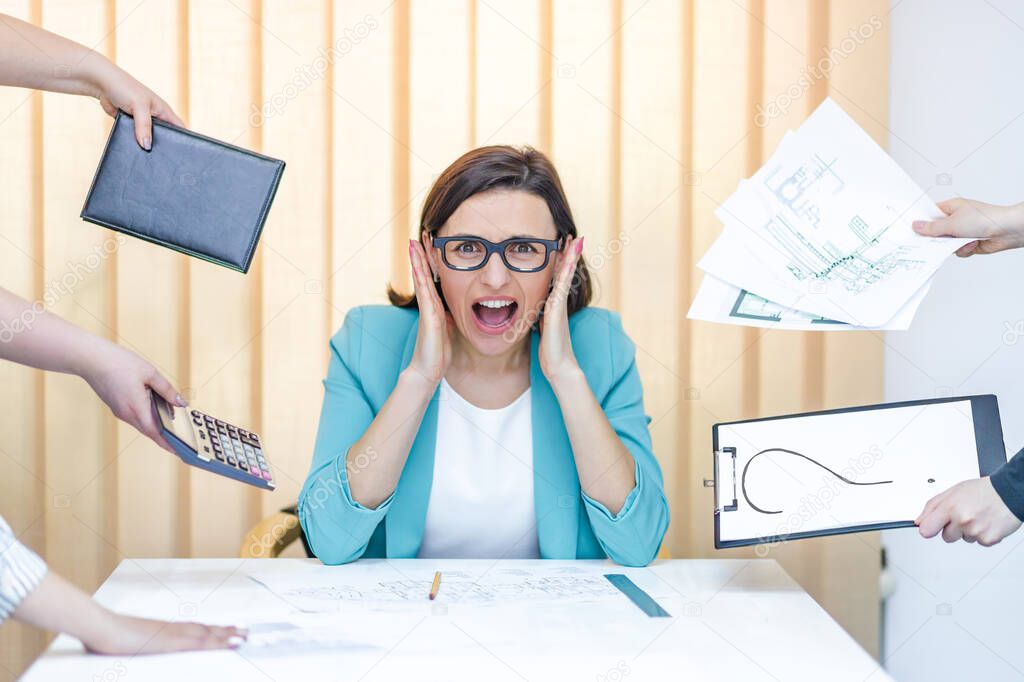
(521, 254)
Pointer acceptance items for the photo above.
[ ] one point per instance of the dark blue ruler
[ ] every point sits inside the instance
(642, 600)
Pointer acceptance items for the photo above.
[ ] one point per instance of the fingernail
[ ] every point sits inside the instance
(147, 143)
(579, 246)
(235, 641)
(918, 225)
(181, 401)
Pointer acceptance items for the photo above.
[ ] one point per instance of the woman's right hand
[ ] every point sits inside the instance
(993, 228)
(433, 352)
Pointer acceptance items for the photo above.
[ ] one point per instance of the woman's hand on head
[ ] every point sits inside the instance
(557, 360)
(433, 352)
(972, 511)
(993, 228)
(123, 381)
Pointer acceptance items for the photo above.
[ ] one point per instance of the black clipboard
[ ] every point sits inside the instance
(988, 436)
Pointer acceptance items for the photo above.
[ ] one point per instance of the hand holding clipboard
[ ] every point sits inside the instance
(843, 471)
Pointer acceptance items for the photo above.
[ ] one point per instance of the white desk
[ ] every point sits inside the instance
(731, 620)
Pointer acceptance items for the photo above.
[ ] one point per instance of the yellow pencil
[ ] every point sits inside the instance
(437, 584)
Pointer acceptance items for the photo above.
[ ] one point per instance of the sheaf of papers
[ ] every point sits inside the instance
(719, 301)
(820, 237)
(392, 583)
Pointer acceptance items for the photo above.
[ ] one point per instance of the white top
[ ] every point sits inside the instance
(481, 499)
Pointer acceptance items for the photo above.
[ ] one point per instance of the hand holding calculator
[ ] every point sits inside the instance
(209, 443)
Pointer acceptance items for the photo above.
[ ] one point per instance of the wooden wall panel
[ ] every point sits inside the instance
(585, 144)
(508, 81)
(80, 439)
(225, 58)
(362, 198)
(150, 303)
(293, 316)
(23, 490)
(440, 92)
(723, 360)
(649, 217)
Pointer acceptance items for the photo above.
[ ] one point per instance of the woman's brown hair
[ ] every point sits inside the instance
(500, 167)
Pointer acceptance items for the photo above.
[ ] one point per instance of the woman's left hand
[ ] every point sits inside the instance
(557, 360)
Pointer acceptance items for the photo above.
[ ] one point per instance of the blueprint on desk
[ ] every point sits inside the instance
(391, 583)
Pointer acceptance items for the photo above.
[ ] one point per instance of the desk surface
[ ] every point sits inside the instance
(732, 619)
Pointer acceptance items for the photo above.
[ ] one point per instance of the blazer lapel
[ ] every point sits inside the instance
(405, 520)
(556, 486)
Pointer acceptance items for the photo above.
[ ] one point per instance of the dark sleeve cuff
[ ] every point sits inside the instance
(1008, 480)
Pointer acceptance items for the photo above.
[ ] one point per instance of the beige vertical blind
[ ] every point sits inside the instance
(652, 111)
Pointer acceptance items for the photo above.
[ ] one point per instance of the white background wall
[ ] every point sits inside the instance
(957, 108)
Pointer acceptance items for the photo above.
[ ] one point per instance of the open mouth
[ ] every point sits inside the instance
(495, 313)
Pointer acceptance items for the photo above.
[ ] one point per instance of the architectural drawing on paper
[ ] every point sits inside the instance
(463, 589)
(859, 260)
(754, 307)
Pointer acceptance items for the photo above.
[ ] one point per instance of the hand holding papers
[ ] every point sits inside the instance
(820, 237)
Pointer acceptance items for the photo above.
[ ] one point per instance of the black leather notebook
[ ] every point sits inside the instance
(190, 193)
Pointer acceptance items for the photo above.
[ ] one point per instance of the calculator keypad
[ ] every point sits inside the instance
(230, 445)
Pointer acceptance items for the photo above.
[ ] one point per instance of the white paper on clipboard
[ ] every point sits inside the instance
(825, 472)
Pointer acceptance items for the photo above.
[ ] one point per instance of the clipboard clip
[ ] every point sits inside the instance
(715, 483)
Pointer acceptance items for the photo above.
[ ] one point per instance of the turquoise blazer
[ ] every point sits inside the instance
(374, 344)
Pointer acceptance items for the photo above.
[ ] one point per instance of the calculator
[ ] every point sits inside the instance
(214, 445)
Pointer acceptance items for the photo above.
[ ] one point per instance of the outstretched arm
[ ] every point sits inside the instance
(31, 336)
(31, 57)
